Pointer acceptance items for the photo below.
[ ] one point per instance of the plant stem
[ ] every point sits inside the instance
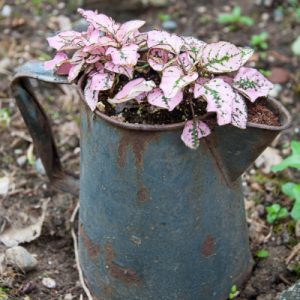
(142, 67)
(190, 98)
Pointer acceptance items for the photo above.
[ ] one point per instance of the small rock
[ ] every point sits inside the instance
(101, 106)
(293, 293)
(260, 209)
(297, 229)
(278, 75)
(18, 151)
(265, 17)
(201, 9)
(39, 167)
(275, 91)
(227, 8)
(21, 259)
(278, 15)
(5, 63)
(255, 215)
(256, 186)
(61, 5)
(21, 161)
(281, 287)
(49, 283)
(268, 3)
(68, 297)
(81, 25)
(6, 11)
(169, 25)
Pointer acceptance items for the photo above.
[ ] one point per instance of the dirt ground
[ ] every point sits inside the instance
(23, 37)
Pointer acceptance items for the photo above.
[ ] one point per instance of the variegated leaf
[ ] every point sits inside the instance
(87, 13)
(139, 37)
(75, 70)
(132, 89)
(158, 59)
(193, 47)
(61, 42)
(96, 55)
(141, 97)
(193, 131)
(94, 37)
(223, 57)
(126, 56)
(59, 59)
(102, 81)
(219, 96)
(174, 79)
(226, 79)
(247, 53)
(128, 71)
(91, 96)
(251, 83)
(78, 56)
(164, 40)
(102, 23)
(184, 60)
(156, 97)
(239, 111)
(107, 41)
(127, 29)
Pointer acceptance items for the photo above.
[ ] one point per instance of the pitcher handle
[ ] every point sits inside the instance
(38, 123)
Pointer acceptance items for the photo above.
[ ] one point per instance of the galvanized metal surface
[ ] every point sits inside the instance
(157, 219)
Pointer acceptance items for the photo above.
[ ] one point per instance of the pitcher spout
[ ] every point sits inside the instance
(234, 149)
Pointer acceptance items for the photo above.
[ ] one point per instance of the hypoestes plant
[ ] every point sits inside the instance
(189, 69)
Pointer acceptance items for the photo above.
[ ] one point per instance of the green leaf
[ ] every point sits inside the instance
(226, 18)
(162, 17)
(263, 36)
(295, 213)
(262, 253)
(231, 296)
(236, 11)
(246, 20)
(296, 46)
(271, 217)
(264, 45)
(292, 161)
(282, 212)
(287, 189)
(233, 289)
(276, 207)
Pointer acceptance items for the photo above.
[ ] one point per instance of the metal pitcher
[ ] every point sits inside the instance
(157, 219)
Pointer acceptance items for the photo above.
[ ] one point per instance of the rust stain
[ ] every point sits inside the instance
(87, 112)
(125, 275)
(142, 194)
(106, 289)
(208, 246)
(137, 140)
(91, 249)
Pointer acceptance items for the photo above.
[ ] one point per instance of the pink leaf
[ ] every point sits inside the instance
(78, 56)
(184, 60)
(157, 98)
(164, 40)
(96, 55)
(126, 56)
(139, 37)
(174, 79)
(107, 41)
(132, 89)
(91, 96)
(193, 47)
(102, 81)
(193, 131)
(102, 23)
(128, 71)
(87, 13)
(64, 69)
(99, 67)
(247, 53)
(94, 37)
(63, 41)
(127, 29)
(251, 83)
(157, 58)
(239, 112)
(58, 59)
(226, 79)
(223, 57)
(74, 71)
(141, 97)
(219, 96)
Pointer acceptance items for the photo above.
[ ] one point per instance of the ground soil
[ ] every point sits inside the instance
(22, 37)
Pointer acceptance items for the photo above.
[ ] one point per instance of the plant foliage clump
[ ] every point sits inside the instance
(188, 68)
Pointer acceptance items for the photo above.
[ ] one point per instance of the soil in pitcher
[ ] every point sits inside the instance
(145, 113)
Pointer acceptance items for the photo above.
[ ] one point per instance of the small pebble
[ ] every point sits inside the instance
(18, 151)
(39, 167)
(21, 161)
(61, 5)
(265, 17)
(68, 297)
(169, 25)
(6, 11)
(260, 209)
(49, 283)
(21, 259)
(201, 9)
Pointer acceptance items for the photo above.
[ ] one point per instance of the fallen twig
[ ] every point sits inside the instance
(284, 280)
(76, 253)
(293, 253)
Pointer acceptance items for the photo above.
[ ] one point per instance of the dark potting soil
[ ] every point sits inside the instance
(145, 113)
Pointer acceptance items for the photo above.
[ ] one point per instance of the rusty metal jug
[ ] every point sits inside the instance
(157, 219)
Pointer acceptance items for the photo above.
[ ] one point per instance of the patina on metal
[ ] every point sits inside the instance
(157, 219)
